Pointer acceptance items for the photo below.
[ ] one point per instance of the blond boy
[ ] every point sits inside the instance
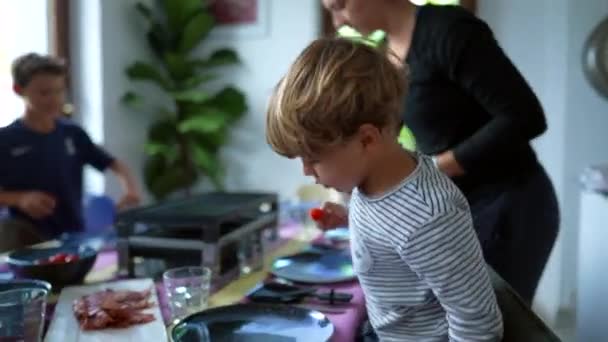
(414, 249)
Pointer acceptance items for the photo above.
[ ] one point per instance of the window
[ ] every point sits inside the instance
(18, 36)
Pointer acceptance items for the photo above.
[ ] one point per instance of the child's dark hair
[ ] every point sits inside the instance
(24, 68)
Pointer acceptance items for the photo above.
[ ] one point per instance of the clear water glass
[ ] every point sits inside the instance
(22, 313)
(187, 290)
(250, 253)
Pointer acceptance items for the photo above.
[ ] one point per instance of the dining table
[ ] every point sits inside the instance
(520, 322)
(292, 238)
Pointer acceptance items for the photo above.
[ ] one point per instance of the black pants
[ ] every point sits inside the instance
(517, 224)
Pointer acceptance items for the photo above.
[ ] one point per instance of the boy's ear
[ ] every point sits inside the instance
(18, 89)
(369, 134)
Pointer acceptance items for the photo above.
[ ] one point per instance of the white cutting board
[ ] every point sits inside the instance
(64, 326)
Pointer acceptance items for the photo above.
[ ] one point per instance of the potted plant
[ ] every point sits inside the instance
(183, 145)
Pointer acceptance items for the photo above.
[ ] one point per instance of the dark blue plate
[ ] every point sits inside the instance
(254, 323)
(316, 266)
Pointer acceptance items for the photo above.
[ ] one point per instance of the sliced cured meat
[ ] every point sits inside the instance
(112, 309)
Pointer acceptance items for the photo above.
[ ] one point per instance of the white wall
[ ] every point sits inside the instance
(544, 39)
(251, 164)
(587, 121)
(592, 296)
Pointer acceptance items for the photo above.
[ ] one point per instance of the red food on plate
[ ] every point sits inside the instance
(316, 213)
(59, 258)
(70, 258)
(113, 309)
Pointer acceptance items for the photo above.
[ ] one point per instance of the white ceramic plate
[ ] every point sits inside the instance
(64, 326)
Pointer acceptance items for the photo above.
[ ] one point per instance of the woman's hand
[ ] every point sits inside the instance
(447, 163)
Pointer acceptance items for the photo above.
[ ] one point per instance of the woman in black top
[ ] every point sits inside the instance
(470, 108)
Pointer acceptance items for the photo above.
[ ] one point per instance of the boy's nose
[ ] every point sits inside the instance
(308, 169)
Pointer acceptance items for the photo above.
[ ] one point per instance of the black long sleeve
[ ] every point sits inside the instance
(467, 96)
(473, 60)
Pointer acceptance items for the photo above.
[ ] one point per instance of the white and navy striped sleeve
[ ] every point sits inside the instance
(445, 253)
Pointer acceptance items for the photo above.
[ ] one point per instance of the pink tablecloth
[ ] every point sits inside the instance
(346, 323)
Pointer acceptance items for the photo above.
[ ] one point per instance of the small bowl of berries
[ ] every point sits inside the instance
(60, 266)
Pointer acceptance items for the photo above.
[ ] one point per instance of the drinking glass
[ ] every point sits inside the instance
(22, 313)
(187, 290)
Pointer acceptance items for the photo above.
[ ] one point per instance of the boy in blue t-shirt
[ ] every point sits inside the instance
(42, 156)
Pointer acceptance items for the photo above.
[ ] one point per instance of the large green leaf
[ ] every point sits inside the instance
(154, 149)
(219, 58)
(163, 131)
(195, 81)
(195, 30)
(203, 158)
(180, 11)
(167, 151)
(212, 141)
(207, 121)
(179, 67)
(141, 71)
(231, 101)
(209, 164)
(172, 178)
(132, 99)
(159, 39)
(194, 95)
(144, 10)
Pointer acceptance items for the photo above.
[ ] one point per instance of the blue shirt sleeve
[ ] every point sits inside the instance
(91, 153)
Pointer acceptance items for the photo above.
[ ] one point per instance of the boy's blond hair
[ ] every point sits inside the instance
(334, 86)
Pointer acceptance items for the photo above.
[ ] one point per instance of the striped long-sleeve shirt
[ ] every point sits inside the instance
(420, 264)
